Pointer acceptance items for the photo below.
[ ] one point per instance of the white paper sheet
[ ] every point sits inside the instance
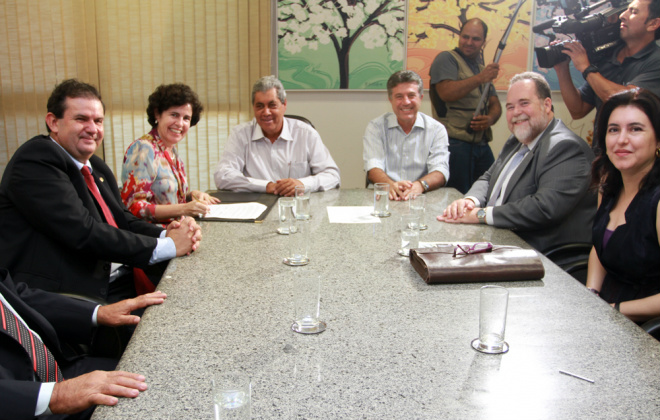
(351, 214)
(242, 211)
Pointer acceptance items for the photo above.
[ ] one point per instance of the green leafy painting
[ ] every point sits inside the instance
(339, 44)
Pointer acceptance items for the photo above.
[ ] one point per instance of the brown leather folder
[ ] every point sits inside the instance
(439, 265)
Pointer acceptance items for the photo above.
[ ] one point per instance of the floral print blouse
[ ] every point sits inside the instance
(150, 176)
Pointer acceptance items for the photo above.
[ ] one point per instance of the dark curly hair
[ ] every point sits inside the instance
(70, 88)
(176, 94)
(604, 174)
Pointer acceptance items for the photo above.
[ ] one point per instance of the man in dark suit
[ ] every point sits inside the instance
(55, 233)
(51, 317)
(538, 186)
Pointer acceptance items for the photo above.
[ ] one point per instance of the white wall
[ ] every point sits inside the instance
(342, 116)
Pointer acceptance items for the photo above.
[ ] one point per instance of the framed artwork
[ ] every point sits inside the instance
(434, 25)
(341, 44)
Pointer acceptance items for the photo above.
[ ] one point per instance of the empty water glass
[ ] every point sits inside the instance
(286, 207)
(417, 205)
(302, 195)
(493, 303)
(307, 301)
(409, 234)
(299, 232)
(232, 396)
(381, 200)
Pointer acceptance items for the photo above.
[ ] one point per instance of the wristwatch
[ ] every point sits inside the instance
(481, 215)
(425, 185)
(589, 70)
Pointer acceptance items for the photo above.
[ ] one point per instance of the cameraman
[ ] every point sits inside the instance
(635, 62)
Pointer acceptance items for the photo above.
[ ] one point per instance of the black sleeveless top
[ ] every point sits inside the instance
(632, 255)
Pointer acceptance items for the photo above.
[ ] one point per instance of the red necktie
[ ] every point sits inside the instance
(142, 283)
(43, 362)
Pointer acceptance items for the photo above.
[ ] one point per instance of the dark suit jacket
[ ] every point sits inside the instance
(547, 201)
(49, 315)
(52, 233)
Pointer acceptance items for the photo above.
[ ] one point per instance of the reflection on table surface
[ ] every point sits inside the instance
(394, 348)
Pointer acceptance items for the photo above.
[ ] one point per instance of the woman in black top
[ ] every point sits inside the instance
(624, 265)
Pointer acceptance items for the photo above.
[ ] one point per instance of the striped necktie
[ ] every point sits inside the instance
(43, 362)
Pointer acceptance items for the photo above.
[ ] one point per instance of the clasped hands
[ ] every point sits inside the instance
(100, 387)
(460, 211)
(402, 190)
(284, 187)
(186, 235)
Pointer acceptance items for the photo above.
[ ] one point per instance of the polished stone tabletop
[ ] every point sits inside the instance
(394, 348)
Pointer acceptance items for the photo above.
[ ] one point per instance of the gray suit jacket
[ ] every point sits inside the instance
(547, 201)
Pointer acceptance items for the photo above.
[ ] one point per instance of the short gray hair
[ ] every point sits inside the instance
(404, 76)
(542, 86)
(267, 83)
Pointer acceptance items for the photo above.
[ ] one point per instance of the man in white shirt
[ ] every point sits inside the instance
(274, 154)
(406, 148)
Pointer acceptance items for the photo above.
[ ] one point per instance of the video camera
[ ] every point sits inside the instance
(598, 32)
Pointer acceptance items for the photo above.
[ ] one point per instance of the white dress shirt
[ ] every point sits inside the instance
(251, 161)
(406, 156)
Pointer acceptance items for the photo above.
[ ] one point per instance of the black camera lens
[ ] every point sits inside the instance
(550, 55)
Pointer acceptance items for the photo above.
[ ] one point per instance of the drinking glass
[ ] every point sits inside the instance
(299, 232)
(493, 302)
(302, 196)
(307, 301)
(409, 234)
(417, 205)
(232, 396)
(381, 200)
(286, 207)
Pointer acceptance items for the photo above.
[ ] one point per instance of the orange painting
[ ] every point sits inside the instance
(434, 25)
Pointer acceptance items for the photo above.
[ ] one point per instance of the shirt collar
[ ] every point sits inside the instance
(257, 134)
(392, 122)
(648, 49)
(78, 164)
(154, 134)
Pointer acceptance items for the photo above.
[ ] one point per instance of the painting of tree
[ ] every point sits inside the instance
(339, 44)
(434, 25)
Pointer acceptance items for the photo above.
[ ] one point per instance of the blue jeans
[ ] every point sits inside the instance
(467, 162)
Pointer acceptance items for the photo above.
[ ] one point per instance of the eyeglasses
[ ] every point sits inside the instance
(478, 248)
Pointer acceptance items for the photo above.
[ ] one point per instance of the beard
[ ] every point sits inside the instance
(527, 132)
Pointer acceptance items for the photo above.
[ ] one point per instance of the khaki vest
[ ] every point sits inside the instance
(459, 113)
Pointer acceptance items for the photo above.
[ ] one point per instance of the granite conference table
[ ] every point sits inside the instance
(395, 347)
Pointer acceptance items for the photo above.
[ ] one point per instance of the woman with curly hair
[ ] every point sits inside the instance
(624, 265)
(155, 187)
